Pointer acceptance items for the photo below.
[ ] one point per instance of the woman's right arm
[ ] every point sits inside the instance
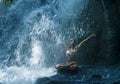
(64, 46)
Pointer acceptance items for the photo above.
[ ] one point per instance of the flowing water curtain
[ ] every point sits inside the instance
(23, 50)
(45, 31)
(67, 14)
(41, 29)
(28, 49)
(47, 28)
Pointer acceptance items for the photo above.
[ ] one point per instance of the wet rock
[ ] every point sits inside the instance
(96, 76)
(85, 76)
(68, 70)
(116, 82)
(44, 80)
(57, 81)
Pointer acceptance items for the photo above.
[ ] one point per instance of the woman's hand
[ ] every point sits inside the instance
(64, 46)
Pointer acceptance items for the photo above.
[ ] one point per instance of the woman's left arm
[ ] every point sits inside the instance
(79, 45)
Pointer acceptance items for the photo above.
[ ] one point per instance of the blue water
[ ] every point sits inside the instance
(31, 33)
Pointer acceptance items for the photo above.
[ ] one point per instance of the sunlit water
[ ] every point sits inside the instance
(31, 38)
(24, 75)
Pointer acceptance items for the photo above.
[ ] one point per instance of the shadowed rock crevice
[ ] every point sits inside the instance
(102, 18)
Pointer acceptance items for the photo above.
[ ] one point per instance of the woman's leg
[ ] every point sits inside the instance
(59, 66)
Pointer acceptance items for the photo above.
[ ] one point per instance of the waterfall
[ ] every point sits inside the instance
(31, 37)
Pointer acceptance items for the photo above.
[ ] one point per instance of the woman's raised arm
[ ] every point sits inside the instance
(79, 45)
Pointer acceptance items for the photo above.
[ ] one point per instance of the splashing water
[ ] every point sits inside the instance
(31, 36)
(23, 75)
(36, 53)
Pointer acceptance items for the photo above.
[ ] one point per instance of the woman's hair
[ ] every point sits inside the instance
(71, 46)
(72, 40)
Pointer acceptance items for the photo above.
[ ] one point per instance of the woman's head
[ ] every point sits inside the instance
(72, 42)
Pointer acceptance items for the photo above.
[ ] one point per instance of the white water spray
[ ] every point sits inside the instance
(36, 53)
(40, 32)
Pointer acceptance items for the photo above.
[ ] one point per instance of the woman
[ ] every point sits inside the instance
(70, 54)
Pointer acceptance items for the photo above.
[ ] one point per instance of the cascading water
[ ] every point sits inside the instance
(31, 34)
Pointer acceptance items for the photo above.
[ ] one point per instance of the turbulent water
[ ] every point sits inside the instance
(31, 33)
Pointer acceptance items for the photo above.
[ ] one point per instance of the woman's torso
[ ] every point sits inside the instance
(70, 55)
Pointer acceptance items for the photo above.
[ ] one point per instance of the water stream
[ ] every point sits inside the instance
(31, 33)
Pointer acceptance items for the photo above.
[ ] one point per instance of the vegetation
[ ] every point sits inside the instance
(7, 2)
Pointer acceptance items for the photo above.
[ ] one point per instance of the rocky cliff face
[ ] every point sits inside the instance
(103, 18)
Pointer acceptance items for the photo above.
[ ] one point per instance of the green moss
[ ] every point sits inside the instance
(7, 2)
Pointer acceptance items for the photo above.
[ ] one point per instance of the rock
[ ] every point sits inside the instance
(85, 76)
(116, 82)
(44, 80)
(57, 80)
(96, 76)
